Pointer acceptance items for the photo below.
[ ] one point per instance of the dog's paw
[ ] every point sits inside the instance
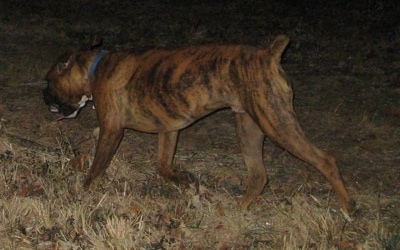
(91, 183)
(183, 177)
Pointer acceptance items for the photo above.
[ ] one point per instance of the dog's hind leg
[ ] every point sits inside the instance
(166, 150)
(282, 126)
(251, 141)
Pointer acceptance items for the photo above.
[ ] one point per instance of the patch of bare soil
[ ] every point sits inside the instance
(344, 64)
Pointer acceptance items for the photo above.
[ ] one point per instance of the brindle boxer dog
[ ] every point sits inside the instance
(163, 91)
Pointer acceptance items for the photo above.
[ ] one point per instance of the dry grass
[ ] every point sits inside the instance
(44, 207)
(346, 79)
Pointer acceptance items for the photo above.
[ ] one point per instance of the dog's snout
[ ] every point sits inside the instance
(55, 105)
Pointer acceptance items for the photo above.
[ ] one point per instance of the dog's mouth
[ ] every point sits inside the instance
(68, 111)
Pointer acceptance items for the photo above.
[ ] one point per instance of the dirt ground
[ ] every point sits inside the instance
(344, 64)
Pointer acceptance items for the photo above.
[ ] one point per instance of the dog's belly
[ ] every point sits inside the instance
(143, 126)
(156, 120)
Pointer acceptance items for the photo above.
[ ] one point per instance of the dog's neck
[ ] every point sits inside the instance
(95, 62)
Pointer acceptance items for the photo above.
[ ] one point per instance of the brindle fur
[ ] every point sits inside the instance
(164, 91)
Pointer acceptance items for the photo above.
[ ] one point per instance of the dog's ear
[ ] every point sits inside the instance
(278, 46)
(96, 43)
(63, 66)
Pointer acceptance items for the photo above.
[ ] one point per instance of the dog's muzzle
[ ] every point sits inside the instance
(66, 110)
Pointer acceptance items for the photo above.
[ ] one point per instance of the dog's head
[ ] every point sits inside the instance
(67, 85)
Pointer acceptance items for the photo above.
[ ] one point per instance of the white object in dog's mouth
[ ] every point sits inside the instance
(53, 109)
(81, 103)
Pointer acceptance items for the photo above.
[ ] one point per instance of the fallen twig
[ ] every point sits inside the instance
(38, 83)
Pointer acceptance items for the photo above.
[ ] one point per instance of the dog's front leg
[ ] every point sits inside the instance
(251, 141)
(107, 145)
(166, 150)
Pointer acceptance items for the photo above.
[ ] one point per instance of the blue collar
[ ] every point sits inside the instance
(96, 61)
